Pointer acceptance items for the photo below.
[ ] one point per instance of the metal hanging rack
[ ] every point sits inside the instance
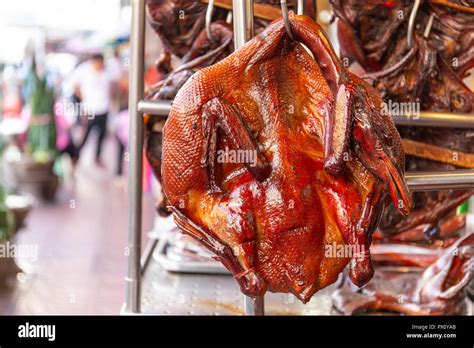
(243, 31)
(421, 119)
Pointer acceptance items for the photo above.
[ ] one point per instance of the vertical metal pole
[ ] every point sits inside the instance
(137, 41)
(254, 306)
(242, 14)
(243, 21)
(300, 8)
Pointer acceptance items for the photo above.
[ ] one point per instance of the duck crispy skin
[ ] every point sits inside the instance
(374, 33)
(439, 291)
(319, 159)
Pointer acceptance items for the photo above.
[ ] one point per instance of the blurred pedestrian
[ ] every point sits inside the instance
(94, 85)
(64, 141)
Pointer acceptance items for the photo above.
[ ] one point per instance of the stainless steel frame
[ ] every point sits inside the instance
(243, 31)
(436, 119)
(243, 21)
(461, 179)
(423, 119)
(158, 107)
(137, 39)
(243, 28)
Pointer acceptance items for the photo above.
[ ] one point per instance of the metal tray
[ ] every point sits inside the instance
(175, 255)
(173, 260)
(169, 293)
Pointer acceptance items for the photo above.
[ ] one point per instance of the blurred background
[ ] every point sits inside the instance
(63, 205)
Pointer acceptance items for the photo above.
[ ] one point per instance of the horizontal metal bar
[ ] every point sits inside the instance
(441, 180)
(435, 119)
(158, 107)
(423, 119)
(417, 181)
(264, 11)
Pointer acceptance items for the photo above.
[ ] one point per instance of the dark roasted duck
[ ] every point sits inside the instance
(179, 22)
(180, 26)
(440, 290)
(271, 156)
(429, 74)
(414, 247)
(203, 52)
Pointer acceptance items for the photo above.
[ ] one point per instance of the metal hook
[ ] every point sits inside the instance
(429, 25)
(285, 15)
(209, 11)
(286, 19)
(229, 17)
(411, 23)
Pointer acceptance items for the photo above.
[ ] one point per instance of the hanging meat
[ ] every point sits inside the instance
(439, 290)
(414, 247)
(429, 74)
(181, 28)
(205, 51)
(179, 22)
(272, 159)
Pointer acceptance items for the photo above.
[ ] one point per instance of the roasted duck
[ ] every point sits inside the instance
(203, 52)
(439, 291)
(271, 156)
(429, 74)
(451, 227)
(179, 22)
(415, 247)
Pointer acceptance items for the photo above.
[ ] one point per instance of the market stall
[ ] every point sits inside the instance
(153, 290)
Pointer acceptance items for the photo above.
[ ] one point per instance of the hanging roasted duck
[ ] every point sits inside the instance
(272, 159)
(428, 72)
(439, 290)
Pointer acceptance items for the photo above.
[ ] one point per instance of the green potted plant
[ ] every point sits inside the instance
(8, 267)
(7, 222)
(34, 170)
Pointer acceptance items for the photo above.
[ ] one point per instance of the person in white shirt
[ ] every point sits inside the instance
(93, 84)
